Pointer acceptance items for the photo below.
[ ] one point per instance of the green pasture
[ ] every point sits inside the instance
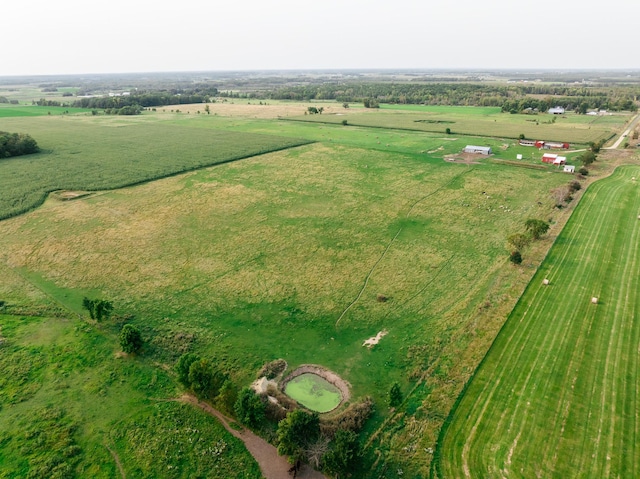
(84, 153)
(557, 394)
(69, 407)
(281, 255)
(483, 122)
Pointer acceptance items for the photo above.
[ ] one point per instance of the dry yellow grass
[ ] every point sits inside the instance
(252, 108)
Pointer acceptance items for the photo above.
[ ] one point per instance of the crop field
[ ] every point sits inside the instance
(284, 255)
(90, 154)
(476, 121)
(557, 395)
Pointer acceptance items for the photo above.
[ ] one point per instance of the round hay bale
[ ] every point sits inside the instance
(594, 300)
(545, 281)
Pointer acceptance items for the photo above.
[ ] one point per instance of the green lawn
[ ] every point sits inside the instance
(557, 394)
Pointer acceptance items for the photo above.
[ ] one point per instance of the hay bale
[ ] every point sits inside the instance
(594, 300)
(545, 281)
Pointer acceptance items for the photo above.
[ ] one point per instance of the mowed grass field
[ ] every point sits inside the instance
(557, 395)
(481, 121)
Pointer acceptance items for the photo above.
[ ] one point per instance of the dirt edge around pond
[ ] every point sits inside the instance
(325, 374)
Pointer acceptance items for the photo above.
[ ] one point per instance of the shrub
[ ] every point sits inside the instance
(395, 395)
(351, 419)
(583, 171)
(272, 369)
(515, 257)
(249, 408)
(130, 339)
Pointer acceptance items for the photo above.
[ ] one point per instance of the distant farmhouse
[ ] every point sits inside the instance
(547, 145)
(553, 159)
(483, 150)
(558, 110)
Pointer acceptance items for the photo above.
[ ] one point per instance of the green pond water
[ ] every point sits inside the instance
(313, 392)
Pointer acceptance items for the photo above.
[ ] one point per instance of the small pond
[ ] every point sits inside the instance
(313, 392)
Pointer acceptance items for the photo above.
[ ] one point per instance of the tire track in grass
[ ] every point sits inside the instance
(375, 265)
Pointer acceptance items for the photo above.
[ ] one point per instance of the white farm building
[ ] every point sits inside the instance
(483, 150)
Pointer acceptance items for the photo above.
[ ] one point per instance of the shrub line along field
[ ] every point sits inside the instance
(557, 395)
(255, 260)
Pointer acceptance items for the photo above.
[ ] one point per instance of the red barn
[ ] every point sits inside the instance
(549, 157)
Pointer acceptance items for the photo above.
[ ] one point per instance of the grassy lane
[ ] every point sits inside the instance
(557, 394)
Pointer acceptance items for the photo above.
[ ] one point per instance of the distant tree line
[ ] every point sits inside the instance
(16, 144)
(511, 98)
(145, 100)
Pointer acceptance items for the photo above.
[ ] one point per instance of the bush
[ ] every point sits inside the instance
(183, 365)
(395, 395)
(515, 257)
(204, 379)
(272, 369)
(130, 339)
(351, 419)
(583, 171)
(574, 186)
(249, 408)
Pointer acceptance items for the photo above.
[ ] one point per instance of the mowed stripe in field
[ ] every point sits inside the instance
(557, 395)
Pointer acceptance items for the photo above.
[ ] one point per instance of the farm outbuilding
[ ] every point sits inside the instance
(549, 157)
(558, 110)
(569, 169)
(560, 160)
(483, 150)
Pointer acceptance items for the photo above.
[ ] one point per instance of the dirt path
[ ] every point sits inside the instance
(118, 463)
(271, 464)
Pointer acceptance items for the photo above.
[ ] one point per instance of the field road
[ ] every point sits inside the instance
(625, 134)
(272, 465)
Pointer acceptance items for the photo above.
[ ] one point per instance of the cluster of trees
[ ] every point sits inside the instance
(330, 444)
(16, 144)
(534, 229)
(200, 376)
(579, 104)
(98, 308)
(312, 110)
(125, 110)
(299, 437)
(144, 100)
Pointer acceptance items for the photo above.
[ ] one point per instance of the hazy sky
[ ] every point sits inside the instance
(94, 36)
